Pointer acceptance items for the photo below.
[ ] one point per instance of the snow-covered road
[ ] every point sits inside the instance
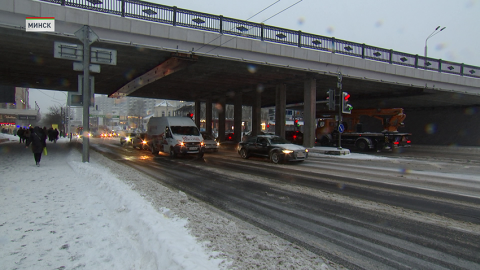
(67, 214)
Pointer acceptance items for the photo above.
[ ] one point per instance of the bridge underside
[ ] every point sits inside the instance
(27, 61)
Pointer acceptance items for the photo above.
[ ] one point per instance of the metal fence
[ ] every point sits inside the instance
(223, 25)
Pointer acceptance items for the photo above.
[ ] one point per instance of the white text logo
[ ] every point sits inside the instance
(40, 24)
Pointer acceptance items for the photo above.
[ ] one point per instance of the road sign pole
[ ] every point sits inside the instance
(101, 56)
(339, 90)
(86, 94)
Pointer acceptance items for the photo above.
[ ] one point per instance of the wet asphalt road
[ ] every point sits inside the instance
(418, 209)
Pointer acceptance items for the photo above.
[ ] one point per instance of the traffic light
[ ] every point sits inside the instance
(346, 108)
(331, 100)
(297, 125)
(190, 115)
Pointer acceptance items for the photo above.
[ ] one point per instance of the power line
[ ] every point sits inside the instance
(232, 28)
(282, 11)
(262, 22)
(262, 10)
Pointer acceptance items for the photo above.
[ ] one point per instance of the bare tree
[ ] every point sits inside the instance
(54, 116)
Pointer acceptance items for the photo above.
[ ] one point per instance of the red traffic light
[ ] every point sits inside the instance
(190, 115)
(347, 96)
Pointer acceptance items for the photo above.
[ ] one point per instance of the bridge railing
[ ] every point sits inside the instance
(223, 25)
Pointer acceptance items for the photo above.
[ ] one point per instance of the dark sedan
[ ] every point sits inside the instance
(275, 148)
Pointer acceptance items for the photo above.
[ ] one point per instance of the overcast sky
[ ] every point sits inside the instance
(399, 25)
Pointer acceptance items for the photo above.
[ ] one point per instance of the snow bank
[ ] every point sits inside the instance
(67, 214)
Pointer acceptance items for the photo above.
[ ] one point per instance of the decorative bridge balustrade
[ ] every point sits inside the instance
(229, 26)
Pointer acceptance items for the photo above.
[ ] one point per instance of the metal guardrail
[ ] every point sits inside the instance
(229, 26)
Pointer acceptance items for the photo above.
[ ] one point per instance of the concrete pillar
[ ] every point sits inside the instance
(221, 120)
(257, 113)
(237, 117)
(208, 116)
(280, 109)
(197, 113)
(309, 112)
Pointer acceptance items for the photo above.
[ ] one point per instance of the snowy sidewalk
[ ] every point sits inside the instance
(67, 214)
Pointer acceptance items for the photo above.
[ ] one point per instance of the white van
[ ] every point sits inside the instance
(174, 135)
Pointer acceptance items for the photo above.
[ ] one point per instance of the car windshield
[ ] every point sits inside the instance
(278, 140)
(179, 130)
(207, 137)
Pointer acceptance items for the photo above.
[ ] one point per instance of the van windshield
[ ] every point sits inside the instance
(179, 130)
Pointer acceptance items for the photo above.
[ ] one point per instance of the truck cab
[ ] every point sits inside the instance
(174, 136)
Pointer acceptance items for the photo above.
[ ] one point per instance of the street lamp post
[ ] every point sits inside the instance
(436, 31)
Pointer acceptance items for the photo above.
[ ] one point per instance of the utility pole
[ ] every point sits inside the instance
(87, 37)
(83, 54)
(339, 90)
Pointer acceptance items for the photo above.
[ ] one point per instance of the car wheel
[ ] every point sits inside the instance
(362, 145)
(275, 157)
(243, 153)
(172, 152)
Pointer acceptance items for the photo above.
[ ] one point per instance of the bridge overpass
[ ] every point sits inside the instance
(207, 58)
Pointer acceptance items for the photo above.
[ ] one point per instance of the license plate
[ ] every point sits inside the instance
(193, 148)
(300, 155)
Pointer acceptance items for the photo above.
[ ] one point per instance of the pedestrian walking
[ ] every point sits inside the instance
(38, 141)
(20, 133)
(27, 133)
(55, 135)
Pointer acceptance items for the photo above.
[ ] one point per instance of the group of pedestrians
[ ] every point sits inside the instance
(37, 137)
(52, 135)
(23, 134)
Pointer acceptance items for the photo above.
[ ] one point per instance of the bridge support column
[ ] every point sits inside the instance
(208, 116)
(237, 117)
(309, 112)
(257, 113)
(280, 109)
(198, 105)
(221, 119)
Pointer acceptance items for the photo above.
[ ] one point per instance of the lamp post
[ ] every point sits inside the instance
(436, 31)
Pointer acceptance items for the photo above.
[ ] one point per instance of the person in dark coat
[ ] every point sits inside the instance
(50, 134)
(55, 135)
(26, 134)
(37, 139)
(20, 133)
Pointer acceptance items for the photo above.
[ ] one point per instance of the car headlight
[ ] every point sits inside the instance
(144, 142)
(306, 150)
(287, 151)
(127, 139)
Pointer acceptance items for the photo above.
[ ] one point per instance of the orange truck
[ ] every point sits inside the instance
(387, 137)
